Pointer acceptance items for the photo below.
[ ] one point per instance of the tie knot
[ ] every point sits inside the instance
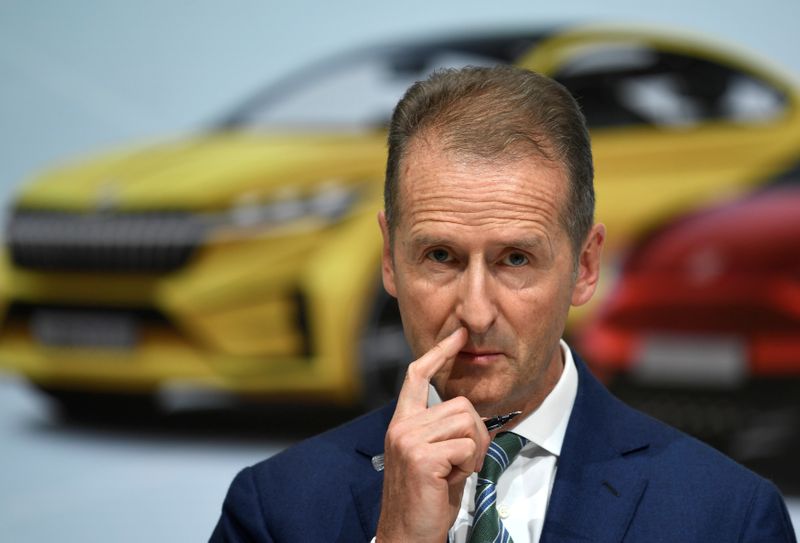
(501, 453)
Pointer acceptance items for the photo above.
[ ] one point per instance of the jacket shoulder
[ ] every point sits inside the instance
(312, 491)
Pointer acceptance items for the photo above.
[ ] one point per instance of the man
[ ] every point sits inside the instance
(489, 238)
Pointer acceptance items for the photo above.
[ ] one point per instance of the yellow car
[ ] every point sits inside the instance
(246, 259)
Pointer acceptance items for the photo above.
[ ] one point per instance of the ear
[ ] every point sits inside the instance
(387, 263)
(589, 265)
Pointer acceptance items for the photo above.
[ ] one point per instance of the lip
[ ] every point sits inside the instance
(479, 357)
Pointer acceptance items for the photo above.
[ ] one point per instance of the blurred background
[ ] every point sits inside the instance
(189, 274)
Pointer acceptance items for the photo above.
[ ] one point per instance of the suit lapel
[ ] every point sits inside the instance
(366, 489)
(367, 499)
(597, 488)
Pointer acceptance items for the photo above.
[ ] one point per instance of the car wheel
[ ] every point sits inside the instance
(91, 405)
(384, 352)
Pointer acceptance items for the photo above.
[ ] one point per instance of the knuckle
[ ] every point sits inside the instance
(394, 434)
(462, 404)
(404, 442)
(465, 421)
(412, 370)
(418, 456)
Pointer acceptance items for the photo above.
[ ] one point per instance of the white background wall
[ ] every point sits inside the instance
(79, 76)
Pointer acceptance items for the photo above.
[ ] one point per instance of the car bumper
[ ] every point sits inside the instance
(757, 316)
(267, 316)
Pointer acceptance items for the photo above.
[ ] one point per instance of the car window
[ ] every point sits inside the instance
(627, 84)
(359, 89)
(360, 93)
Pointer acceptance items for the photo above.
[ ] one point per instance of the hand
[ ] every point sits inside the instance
(429, 454)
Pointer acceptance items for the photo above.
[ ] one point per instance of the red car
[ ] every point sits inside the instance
(703, 326)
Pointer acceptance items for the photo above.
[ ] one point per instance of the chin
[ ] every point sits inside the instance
(484, 400)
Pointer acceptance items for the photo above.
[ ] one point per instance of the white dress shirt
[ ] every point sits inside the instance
(524, 488)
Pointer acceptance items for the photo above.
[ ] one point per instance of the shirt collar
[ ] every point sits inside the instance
(547, 425)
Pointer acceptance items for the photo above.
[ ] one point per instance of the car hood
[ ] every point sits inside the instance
(752, 235)
(206, 173)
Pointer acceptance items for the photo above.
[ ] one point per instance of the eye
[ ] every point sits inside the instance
(439, 255)
(515, 260)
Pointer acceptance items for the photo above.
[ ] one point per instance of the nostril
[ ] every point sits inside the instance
(477, 322)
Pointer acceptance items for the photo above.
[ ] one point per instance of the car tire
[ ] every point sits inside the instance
(89, 405)
(384, 352)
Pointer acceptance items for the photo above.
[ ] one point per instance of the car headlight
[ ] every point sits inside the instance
(329, 202)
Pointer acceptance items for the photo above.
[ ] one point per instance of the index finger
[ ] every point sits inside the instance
(414, 394)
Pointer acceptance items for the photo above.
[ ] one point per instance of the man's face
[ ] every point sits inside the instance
(479, 244)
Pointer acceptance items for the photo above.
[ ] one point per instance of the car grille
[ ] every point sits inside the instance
(149, 242)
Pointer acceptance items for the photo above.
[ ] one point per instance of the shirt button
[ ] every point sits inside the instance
(502, 510)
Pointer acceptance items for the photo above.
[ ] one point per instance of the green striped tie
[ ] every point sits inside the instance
(486, 526)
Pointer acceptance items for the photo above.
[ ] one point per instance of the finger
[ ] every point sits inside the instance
(456, 458)
(413, 396)
(458, 475)
(451, 419)
(460, 425)
(458, 418)
(428, 364)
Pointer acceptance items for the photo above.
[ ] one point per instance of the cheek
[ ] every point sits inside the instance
(425, 309)
(432, 310)
(537, 313)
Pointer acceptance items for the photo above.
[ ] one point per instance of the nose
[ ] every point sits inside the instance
(476, 308)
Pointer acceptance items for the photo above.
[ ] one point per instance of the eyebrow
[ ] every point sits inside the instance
(531, 244)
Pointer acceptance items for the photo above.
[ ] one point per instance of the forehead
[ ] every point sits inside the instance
(441, 188)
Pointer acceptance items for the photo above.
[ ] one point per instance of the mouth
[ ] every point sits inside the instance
(479, 356)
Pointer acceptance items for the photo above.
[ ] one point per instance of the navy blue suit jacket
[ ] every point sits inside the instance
(622, 476)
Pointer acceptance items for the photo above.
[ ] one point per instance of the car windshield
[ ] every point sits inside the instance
(358, 91)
